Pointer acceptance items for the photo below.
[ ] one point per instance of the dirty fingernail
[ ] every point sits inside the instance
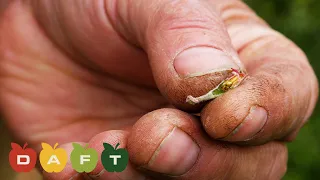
(202, 60)
(176, 154)
(252, 124)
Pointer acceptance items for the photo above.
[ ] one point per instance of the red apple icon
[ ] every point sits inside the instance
(22, 159)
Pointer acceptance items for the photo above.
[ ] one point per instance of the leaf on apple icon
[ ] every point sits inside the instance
(108, 146)
(46, 146)
(17, 146)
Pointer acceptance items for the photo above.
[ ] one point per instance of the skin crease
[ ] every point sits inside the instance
(72, 71)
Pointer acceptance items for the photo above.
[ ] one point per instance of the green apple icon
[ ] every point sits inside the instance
(83, 159)
(114, 159)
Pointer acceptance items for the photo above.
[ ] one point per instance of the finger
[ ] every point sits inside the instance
(279, 94)
(112, 137)
(186, 42)
(170, 143)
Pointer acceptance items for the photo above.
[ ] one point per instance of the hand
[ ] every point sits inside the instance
(87, 71)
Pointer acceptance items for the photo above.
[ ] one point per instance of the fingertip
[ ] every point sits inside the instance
(159, 142)
(242, 115)
(224, 114)
(261, 109)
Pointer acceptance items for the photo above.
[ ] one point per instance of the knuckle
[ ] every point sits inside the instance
(181, 14)
(184, 20)
(235, 11)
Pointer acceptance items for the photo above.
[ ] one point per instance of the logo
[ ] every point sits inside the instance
(53, 159)
(22, 159)
(83, 159)
(114, 159)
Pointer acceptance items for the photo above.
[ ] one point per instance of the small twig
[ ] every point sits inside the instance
(224, 86)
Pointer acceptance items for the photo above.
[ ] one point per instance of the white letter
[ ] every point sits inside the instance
(19, 157)
(53, 159)
(82, 158)
(115, 158)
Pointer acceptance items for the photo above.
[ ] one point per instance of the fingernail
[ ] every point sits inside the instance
(176, 154)
(251, 125)
(198, 61)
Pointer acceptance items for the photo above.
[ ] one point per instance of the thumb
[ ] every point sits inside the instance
(187, 44)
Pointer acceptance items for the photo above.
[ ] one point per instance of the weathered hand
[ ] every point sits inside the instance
(87, 71)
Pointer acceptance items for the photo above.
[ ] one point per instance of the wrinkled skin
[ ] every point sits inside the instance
(94, 71)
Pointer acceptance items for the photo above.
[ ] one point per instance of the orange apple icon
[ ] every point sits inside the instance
(53, 159)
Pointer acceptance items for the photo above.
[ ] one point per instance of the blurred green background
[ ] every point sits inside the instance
(300, 21)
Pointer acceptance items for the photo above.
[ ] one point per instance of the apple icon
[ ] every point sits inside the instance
(53, 159)
(22, 159)
(83, 159)
(114, 159)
